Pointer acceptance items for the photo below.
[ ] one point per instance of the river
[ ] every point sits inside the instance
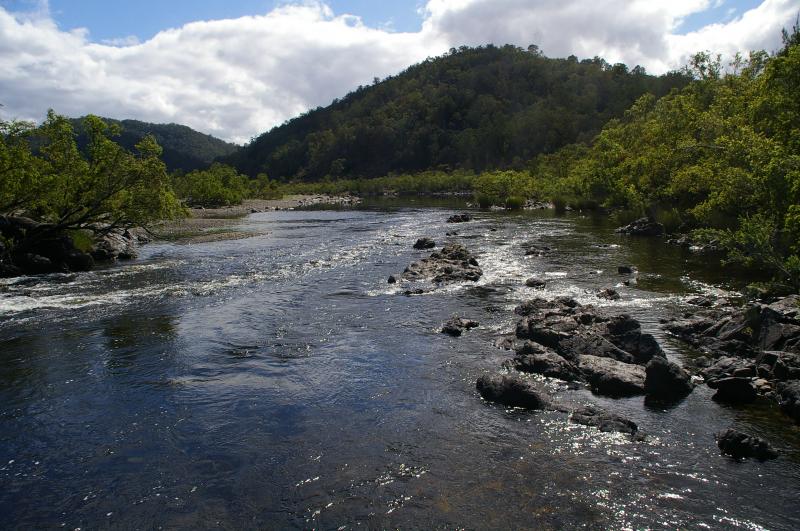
(279, 381)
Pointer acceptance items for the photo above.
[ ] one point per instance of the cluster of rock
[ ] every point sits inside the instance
(453, 263)
(749, 351)
(344, 200)
(568, 341)
(28, 247)
(459, 218)
(564, 339)
(642, 227)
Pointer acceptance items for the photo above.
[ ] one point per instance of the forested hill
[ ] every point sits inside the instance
(184, 148)
(473, 108)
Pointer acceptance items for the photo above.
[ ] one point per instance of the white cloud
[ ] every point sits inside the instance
(239, 77)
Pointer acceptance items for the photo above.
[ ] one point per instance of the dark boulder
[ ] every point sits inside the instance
(602, 420)
(734, 390)
(456, 326)
(35, 264)
(534, 282)
(424, 243)
(789, 399)
(642, 227)
(611, 377)
(8, 270)
(534, 358)
(625, 332)
(392, 279)
(459, 218)
(741, 445)
(625, 270)
(666, 380)
(511, 391)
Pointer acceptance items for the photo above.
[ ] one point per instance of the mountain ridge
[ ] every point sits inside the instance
(476, 109)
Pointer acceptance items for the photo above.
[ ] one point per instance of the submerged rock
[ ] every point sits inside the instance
(789, 399)
(456, 326)
(734, 390)
(459, 218)
(642, 227)
(534, 282)
(424, 243)
(602, 420)
(537, 250)
(625, 270)
(611, 377)
(511, 391)
(666, 380)
(454, 263)
(609, 294)
(741, 445)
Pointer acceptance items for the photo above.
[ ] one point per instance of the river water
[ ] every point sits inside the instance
(279, 382)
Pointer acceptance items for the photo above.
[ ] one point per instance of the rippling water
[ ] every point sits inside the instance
(279, 381)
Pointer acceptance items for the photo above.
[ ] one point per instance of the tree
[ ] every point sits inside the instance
(101, 189)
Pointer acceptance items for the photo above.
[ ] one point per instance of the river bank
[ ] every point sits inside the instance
(215, 224)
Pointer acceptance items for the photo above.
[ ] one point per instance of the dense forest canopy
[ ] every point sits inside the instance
(472, 109)
(183, 148)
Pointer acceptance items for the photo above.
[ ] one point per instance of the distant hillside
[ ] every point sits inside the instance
(184, 148)
(474, 108)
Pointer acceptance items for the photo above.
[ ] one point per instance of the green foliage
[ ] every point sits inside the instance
(102, 187)
(428, 182)
(219, 185)
(501, 188)
(757, 243)
(721, 154)
(474, 109)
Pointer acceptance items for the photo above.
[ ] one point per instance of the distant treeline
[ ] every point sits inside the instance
(473, 109)
(183, 148)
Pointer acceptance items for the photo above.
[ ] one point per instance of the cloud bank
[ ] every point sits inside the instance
(237, 78)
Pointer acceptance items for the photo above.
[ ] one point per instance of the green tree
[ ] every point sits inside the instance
(101, 189)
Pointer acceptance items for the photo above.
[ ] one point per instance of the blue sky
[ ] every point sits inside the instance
(116, 19)
(721, 12)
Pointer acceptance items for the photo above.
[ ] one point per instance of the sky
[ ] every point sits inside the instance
(236, 68)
